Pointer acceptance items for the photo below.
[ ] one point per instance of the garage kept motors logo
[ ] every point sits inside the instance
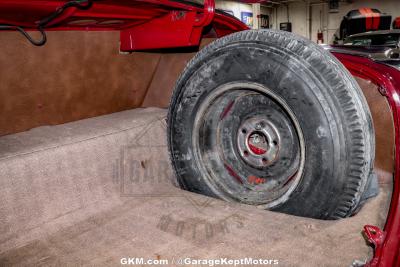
(143, 171)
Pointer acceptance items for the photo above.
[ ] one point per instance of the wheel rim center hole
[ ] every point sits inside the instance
(257, 143)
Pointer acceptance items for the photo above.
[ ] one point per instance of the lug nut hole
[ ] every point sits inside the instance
(244, 131)
(246, 153)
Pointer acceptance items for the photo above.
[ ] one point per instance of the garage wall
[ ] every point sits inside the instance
(321, 19)
(236, 7)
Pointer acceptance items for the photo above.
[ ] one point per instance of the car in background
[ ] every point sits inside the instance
(385, 38)
(396, 23)
(379, 45)
(363, 20)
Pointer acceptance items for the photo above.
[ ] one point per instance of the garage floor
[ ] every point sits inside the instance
(94, 191)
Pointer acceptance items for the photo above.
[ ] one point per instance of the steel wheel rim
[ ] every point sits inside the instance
(206, 158)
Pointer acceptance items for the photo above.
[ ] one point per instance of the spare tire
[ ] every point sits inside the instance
(268, 118)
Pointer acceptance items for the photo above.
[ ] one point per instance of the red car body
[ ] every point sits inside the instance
(386, 242)
(162, 24)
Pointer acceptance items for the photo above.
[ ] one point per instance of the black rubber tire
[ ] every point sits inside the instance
(326, 100)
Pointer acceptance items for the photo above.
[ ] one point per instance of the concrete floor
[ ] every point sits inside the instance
(94, 191)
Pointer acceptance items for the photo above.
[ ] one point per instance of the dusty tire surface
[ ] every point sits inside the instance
(268, 118)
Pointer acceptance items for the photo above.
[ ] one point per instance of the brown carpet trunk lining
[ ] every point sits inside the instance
(94, 191)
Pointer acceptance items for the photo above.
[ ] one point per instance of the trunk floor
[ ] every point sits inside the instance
(95, 191)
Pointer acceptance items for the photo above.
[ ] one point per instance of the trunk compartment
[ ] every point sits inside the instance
(92, 184)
